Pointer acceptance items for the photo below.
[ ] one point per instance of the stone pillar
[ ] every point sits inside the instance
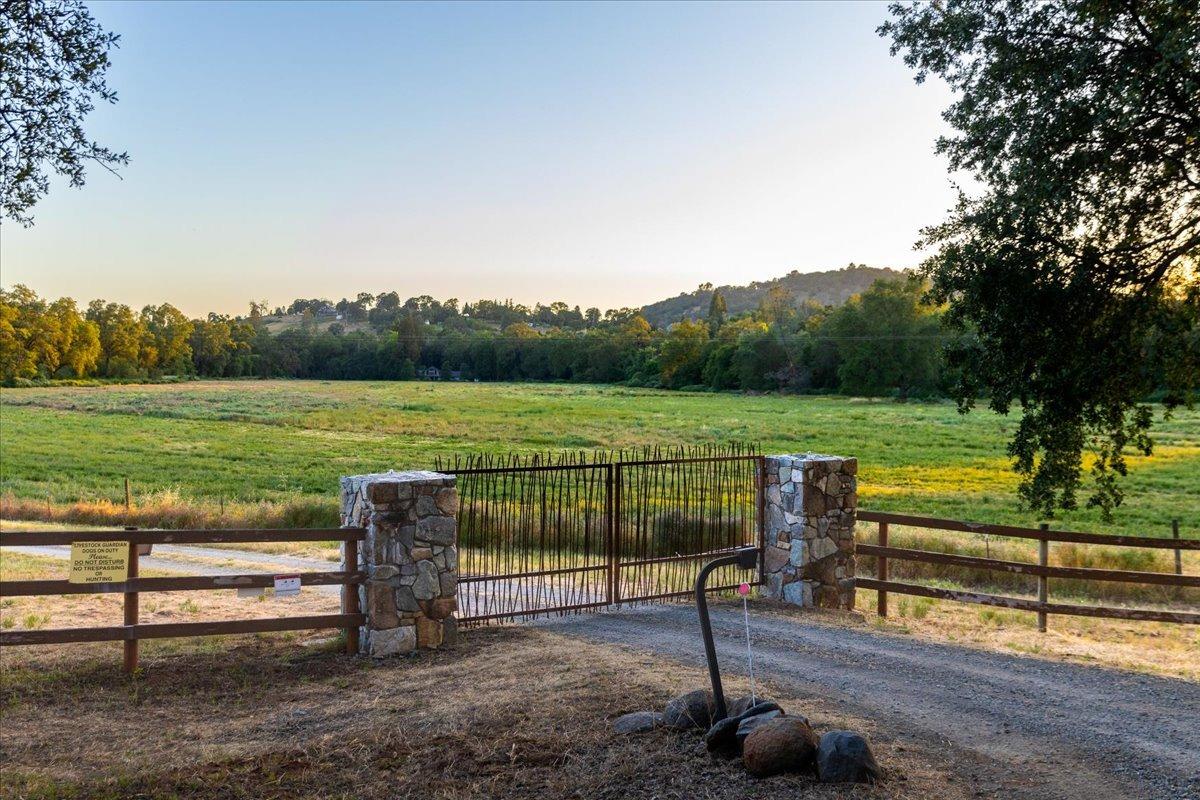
(410, 557)
(810, 508)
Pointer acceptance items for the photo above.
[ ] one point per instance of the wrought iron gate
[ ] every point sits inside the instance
(544, 535)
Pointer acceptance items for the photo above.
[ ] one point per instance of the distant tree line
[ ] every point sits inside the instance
(885, 341)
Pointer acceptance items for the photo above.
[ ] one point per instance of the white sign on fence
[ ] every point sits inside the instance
(287, 585)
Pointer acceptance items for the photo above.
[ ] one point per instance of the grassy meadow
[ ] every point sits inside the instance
(236, 446)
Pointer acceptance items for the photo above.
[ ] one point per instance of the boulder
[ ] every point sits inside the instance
(845, 757)
(786, 744)
(637, 722)
(691, 710)
(722, 737)
(747, 725)
(740, 705)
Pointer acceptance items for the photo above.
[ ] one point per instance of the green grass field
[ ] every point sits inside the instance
(288, 441)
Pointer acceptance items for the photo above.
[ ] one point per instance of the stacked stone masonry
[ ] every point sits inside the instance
(811, 505)
(410, 556)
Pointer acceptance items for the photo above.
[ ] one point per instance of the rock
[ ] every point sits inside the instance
(749, 724)
(422, 553)
(691, 710)
(441, 607)
(381, 605)
(787, 744)
(447, 501)
(740, 705)
(845, 757)
(406, 600)
(429, 632)
(426, 585)
(798, 593)
(722, 736)
(393, 642)
(449, 632)
(437, 530)
(637, 722)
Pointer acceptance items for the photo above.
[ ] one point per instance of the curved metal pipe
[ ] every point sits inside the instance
(746, 558)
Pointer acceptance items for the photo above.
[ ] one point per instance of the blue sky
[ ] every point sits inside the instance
(602, 154)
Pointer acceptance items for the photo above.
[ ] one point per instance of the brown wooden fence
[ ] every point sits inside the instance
(1041, 570)
(132, 631)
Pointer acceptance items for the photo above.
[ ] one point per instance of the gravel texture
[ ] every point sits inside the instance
(1049, 729)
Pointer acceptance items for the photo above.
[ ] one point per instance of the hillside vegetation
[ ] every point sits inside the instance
(827, 288)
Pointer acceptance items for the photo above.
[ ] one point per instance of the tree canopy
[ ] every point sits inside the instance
(1073, 268)
(55, 57)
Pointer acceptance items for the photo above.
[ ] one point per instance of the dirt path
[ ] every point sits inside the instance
(1052, 729)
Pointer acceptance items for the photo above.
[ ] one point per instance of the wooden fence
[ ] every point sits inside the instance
(132, 631)
(1041, 570)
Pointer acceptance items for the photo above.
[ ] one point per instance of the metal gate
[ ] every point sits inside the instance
(543, 535)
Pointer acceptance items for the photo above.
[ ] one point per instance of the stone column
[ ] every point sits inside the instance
(810, 509)
(410, 557)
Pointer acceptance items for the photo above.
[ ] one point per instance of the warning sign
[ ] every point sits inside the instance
(99, 562)
(287, 585)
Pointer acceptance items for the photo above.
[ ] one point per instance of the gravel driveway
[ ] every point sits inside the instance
(1052, 730)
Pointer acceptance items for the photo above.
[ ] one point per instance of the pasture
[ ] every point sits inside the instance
(272, 451)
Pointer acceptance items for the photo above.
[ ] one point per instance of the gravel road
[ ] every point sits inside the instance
(1052, 730)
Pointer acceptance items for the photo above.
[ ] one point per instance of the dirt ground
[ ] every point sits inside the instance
(1055, 729)
(517, 712)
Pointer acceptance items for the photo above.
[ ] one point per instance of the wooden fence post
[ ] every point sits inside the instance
(350, 593)
(131, 609)
(1178, 556)
(881, 568)
(1043, 581)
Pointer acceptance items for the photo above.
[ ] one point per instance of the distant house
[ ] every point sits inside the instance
(456, 374)
(430, 373)
(326, 310)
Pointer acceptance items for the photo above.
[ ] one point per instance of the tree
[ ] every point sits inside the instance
(55, 57)
(1080, 120)
(717, 311)
(410, 335)
(682, 358)
(169, 333)
(121, 337)
(887, 340)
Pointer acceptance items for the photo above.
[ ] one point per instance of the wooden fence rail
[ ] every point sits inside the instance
(1043, 571)
(132, 631)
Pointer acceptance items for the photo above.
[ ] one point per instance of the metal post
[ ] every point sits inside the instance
(1043, 581)
(746, 558)
(615, 555)
(761, 512)
(350, 597)
(131, 610)
(881, 568)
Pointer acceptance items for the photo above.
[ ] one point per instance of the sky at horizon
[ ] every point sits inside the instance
(605, 155)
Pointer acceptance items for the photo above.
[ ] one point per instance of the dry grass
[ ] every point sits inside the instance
(169, 508)
(80, 610)
(508, 713)
(1153, 647)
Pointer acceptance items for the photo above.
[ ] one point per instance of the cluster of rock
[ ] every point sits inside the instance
(410, 556)
(768, 740)
(811, 504)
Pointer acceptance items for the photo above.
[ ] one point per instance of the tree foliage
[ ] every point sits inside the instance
(1073, 267)
(55, 57)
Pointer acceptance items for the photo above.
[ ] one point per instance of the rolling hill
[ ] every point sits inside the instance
(832, 287)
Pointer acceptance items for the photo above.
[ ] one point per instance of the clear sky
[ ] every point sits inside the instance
(601, 154)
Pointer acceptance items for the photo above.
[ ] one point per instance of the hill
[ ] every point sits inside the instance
(832, 287)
